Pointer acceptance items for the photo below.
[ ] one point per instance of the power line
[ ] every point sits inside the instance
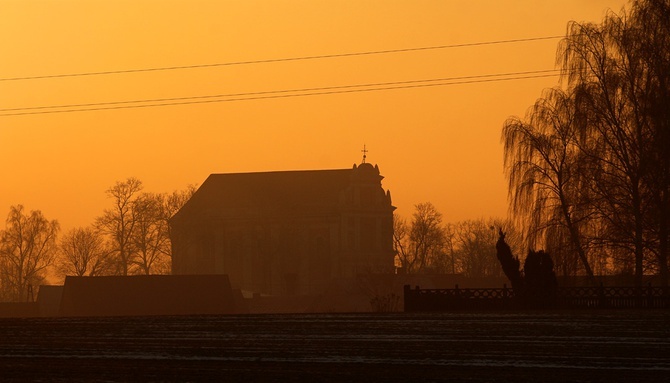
(299, 90)
(265, 61)
(278, 94)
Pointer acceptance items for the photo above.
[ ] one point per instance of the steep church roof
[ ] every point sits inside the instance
(280, 192)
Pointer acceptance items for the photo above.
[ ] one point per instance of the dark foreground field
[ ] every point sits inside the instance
(473, 347)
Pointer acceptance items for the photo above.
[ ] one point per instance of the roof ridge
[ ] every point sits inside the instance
(283, 171)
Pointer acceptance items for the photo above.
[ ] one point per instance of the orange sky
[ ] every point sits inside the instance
(438, 144)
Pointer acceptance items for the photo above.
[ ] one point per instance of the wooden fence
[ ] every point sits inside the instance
(600, 297)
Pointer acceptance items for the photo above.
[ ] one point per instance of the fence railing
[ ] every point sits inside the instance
(649, 297)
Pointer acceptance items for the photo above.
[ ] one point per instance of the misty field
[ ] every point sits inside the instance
(474, 347)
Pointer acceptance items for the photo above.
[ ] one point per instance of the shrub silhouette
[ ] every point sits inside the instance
(539, 280)
(536, 286)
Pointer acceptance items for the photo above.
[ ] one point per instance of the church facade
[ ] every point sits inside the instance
(287, 232)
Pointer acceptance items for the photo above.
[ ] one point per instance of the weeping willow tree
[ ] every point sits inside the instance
(653, 31)
(543, 166)
(619, 71)
(591, 160)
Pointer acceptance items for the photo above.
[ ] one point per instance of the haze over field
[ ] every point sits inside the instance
(437, 143)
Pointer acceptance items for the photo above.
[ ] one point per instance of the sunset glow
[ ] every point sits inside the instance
(438, 143)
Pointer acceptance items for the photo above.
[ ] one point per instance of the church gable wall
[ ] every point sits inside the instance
(286, 248)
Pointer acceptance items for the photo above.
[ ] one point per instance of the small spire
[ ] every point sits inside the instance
(365, 153)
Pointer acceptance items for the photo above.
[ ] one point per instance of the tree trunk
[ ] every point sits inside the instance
(576, 242)
(663, 240)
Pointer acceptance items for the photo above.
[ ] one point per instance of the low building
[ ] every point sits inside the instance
(149, 295)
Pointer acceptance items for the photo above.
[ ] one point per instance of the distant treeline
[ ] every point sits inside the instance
(131, 237)
(427, 245)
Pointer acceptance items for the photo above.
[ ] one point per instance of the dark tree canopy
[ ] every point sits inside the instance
(589, 166)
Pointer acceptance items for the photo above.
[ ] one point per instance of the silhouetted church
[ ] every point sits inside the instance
(286, 232)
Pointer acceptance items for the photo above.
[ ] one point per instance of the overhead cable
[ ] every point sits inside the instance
(265, 61)
(247, 94)
(150, 103)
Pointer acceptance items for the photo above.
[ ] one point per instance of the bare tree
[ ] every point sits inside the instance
(150, 235)
(27, 248)
(450, 255)
(119, 222)
(427, 236)
(420, 246)
(405, 260)
(475, 246)
(171, 203)
(83, 253)
(476, 249)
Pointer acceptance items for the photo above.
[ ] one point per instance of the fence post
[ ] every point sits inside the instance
(407, 300)
(458, 301)
(506, 297)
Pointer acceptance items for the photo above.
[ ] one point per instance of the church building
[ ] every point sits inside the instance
(286, 232)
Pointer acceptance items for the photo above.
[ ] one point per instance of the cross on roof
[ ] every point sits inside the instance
(365, 152)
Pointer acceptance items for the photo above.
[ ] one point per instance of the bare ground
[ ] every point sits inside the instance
(613, 346)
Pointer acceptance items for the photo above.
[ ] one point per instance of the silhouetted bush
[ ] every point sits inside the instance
(536, 286)
(539, 280)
